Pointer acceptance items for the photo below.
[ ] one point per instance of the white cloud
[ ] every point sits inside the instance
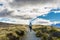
(56, 22)
(56, 11)
(31, 11)
(13, 20)
(41, 22)
(23, 14)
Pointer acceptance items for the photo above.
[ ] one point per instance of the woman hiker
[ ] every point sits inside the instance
(30, 26)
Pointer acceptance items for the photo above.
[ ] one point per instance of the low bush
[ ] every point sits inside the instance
(12, 37)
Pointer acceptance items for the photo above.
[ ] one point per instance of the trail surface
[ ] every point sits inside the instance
(31, 36)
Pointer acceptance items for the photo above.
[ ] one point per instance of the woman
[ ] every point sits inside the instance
(30, 26)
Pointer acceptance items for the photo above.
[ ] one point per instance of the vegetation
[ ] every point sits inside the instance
(18, 31)
(12, 32)
(47, 32)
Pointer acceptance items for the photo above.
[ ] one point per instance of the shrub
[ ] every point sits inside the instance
(38, 33)
(56, 34)
(12, 37)
(20, 33)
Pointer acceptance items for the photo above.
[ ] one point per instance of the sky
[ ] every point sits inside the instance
(44, 12)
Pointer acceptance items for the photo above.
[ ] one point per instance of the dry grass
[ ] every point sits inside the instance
(6, 29)
(43, 26)
(46, 32)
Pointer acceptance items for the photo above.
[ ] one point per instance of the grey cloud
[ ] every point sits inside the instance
(22, 17)
(5, 13)
(34, 1)
(18, 3)
(42, 22)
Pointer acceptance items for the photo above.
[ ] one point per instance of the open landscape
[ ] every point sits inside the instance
(19, 31)
(12, 31)
(47, 32)
(29, 19)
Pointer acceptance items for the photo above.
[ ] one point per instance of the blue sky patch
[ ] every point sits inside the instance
(52, 16)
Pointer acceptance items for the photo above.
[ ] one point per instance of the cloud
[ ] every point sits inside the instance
(5, 13)
(55, 10)
(13, 20)
(21, 17)
(25, 13)
(41, 22)
(20, 3)
(56, 22)
(22, 11)
(52, 16)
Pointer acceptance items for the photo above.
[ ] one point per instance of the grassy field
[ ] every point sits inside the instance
(11, 31)
(18, 31)
(47, 32)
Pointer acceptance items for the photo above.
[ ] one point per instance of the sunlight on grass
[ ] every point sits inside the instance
(15, 31)
(47, 32)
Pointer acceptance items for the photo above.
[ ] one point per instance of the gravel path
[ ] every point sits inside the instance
(31, 36)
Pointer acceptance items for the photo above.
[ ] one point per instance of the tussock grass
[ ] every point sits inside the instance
(11, 29)
(47, 32)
